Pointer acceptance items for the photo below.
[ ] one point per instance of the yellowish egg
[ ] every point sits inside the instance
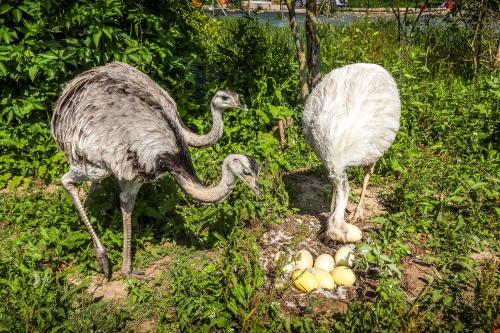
(354, 234)
(344, 256)
(343, 276)
(325, 262)
(325, 279)
(304, 259)
(304, 280)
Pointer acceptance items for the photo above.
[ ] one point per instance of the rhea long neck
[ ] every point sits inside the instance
(195, 140)
(201, 193)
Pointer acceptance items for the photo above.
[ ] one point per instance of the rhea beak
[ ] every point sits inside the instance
(240, 106)
(255, 187)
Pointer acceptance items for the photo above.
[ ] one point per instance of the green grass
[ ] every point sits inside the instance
(439, 184)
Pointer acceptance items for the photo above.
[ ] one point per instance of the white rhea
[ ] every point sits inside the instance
(350, 118)
(114, 120)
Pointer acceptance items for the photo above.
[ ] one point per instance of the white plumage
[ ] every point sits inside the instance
(350, 118)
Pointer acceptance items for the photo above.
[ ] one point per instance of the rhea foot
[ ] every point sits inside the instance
(330, 233)
(102, 260)
(356, 216)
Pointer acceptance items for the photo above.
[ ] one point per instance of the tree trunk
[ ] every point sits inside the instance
(313, 45)
(396, 12)
(301, 56)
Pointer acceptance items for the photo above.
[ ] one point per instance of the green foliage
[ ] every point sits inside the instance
(214, 295)
(44, 44)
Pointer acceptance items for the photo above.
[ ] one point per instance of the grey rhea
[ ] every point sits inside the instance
(350, 118)
(114, 120)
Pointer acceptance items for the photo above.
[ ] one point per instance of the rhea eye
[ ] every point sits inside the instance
(246, 172)
(225, 98)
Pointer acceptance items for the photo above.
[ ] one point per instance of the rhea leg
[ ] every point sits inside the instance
(335, 226)
(70, 181)
(358, 213)
(127, 200)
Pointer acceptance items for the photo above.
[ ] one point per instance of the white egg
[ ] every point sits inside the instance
(354, 234)
(324, 261)
(304, 280)
(325, 279)
(343, 276)
(344, 256)
(304, 259)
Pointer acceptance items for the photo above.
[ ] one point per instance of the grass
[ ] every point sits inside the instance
(439, 184)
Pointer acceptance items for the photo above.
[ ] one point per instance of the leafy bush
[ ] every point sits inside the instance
(44, 44)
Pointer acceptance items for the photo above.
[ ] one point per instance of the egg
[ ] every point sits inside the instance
(324, 261)
(289, 266)
(343, 276)
(304, 280)
(354, 234)
(325, 279)
(344, 256)
(304, 259)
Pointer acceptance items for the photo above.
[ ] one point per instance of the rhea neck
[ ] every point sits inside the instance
(204, 194)
(195, 140)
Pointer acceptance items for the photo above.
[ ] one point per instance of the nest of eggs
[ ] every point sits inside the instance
(280, 247)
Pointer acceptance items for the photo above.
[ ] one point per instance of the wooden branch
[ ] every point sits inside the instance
(301, 57)
(416, 21)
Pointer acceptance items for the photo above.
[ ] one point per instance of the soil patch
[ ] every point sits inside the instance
(100, 289)
(311, 193)
(415, 277)
(484, 255)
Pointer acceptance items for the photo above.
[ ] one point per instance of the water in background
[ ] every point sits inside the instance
(281, 19)
(340, 19)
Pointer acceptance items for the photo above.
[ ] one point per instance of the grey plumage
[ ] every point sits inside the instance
(114, 120)
(117, 119)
